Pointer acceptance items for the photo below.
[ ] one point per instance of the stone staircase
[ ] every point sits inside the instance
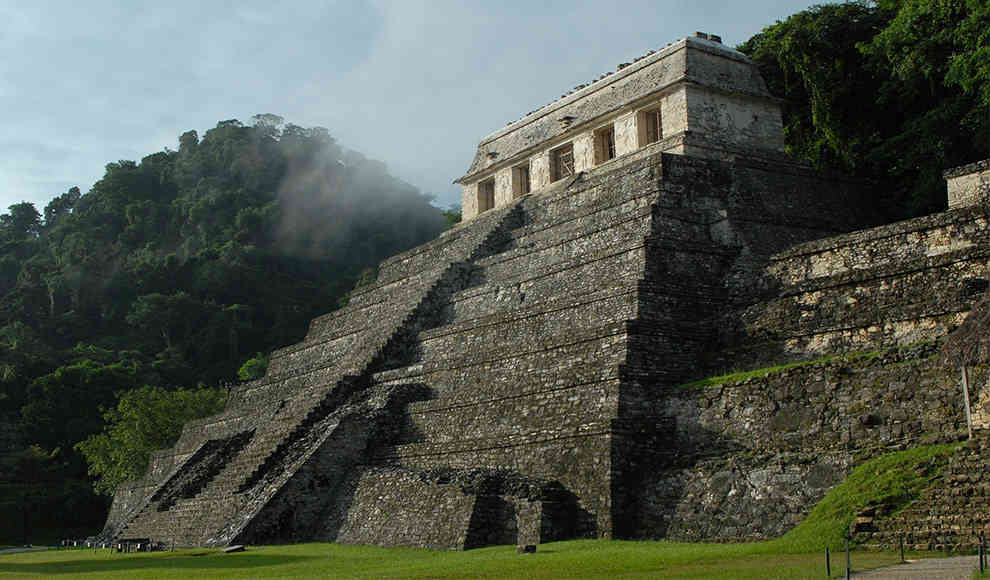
(303, 396)
(526, 372)
(951, 513)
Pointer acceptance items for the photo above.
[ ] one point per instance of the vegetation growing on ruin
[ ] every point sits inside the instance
(890, 481)
(851, 358)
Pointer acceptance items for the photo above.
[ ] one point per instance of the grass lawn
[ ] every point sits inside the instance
(574, 559)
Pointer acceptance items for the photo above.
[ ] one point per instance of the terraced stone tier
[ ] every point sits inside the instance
(401, 507)
(950, 515)
(291, 421)
(876, 288)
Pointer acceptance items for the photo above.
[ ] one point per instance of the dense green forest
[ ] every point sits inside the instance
(892, 91)
(125, 310)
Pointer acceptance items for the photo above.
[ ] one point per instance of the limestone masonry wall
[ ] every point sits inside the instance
(694, 97)
(886, 286)
(748, 458)
(969, 185)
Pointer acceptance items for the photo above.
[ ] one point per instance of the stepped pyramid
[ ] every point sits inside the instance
(516, 379)
(495, 375)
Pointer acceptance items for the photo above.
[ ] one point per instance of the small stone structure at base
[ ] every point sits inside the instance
(531, 374)
(969, 185)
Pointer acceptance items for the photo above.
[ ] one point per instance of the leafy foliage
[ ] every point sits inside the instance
(253, 368)
(144, 420)
(895, 91)
(172, 271)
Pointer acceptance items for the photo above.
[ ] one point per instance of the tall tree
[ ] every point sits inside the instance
(143, 420)
(891, 91)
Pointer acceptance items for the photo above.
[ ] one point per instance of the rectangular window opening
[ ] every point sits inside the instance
(604, 144)
(562, 162)
(520, 180)
(486, 195)
(650, 127)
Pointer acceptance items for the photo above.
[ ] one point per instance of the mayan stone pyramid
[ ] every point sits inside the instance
(521, 378)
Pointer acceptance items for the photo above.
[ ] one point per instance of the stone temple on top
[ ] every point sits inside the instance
(652, 323)
(695, 97)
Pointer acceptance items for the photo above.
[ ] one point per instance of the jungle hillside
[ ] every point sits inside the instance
(129, 309)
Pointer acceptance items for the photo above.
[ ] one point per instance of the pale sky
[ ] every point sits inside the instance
(413, 83)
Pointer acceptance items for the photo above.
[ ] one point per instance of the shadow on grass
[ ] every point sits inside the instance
(122, 564)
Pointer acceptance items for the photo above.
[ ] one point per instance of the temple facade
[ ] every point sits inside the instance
(695, 97)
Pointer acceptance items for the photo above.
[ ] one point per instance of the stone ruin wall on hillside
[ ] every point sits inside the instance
(753, 454)
(969, 185)
(527, 376)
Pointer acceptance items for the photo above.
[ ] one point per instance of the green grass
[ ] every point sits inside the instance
(762, 372)
(574, 559)
(738, 376)
(890, 481)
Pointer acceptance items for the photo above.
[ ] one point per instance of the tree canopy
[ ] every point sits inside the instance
(893, 91)
(171, 272)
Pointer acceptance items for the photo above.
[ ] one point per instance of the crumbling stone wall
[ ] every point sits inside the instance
(969, 185)
(886, 286)
(747, 459)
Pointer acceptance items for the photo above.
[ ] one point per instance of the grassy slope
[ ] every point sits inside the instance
(892, 480)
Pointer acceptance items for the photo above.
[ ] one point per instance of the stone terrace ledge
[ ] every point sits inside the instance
(969, 184)
(929, 222)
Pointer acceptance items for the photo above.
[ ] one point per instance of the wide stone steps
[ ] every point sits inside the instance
(430, 454)
(504, 309)
(295, 393)
(349, 319)
(327, 351)
(586, 193)
(506, 334)
(569, 252)
(510, 416)
(528, 284)
(454, 382)
(597, 337)
(398, 291)
(300, 414)
(460, 244)
(588, 225)
(220, 495)
(951, 513)
(242, 468)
